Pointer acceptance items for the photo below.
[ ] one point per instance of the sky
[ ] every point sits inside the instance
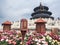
(14, 10)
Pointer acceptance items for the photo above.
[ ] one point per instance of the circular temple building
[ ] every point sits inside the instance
(41, 12)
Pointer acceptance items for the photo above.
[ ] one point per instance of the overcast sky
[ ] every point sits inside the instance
(14, 10)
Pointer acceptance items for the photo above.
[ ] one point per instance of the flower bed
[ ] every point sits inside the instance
(39, 39)
(10, 38)
(14, 38)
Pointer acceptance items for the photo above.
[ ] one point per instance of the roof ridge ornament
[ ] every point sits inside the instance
(41, 7)
(40, 4)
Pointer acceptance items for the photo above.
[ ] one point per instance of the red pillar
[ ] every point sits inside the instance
(23, 28)
(40, 26)
(24, 24)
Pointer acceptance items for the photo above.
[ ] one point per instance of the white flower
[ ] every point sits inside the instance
(30, 33)
(27, 34)
(43, 38)
(39, 40)
(16, 35)
(2, 39)
(20, 37)
(20, 42)
(43, 41)
(37, 43)
(25, 38)
(6, 40)
(36, 39)
(50, 38)
(52, 42)
(47, 37)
